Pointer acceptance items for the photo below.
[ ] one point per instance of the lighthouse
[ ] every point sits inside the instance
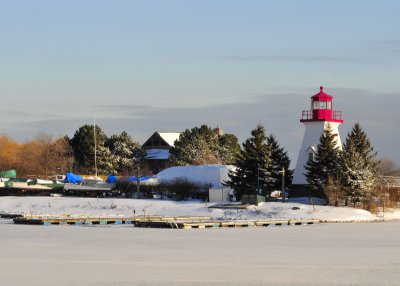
(315, 121)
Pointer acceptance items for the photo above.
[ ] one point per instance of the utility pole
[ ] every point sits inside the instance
(138, 180)
(283, 184)
(95, 145)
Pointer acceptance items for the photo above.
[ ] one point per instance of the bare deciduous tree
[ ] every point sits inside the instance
(8, 153)
(44, 156)
(334, 191)
(386, 166)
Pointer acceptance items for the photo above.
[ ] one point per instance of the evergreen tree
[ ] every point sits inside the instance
(325, 163)
(279, 160)
(359, 167)
(229, 148)
(252, 164)
(201, 145)
(192, 148)
(83, 146)
(126, 152)
(106, 162)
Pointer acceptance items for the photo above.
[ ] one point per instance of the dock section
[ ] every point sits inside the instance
(221, 224)
(35, 219)
(151, 221)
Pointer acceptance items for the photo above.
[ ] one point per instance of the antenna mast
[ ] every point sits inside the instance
(95, 144)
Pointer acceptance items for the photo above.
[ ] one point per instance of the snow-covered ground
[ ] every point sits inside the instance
(301, 209)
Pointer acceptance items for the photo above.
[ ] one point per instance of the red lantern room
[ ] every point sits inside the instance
(321, 109)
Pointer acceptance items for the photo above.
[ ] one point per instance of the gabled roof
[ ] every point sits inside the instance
(169, 137)
(311, 149)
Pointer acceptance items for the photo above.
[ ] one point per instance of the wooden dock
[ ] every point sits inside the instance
(10, 215)
(221, 224)
(35, 219)
(150, 221)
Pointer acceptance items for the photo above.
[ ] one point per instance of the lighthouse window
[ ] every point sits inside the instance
(311, 156)
(315, 104)
(323, 104)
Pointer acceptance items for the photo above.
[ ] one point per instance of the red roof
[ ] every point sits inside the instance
(321, 95)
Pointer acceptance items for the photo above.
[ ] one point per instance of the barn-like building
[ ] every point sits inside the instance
(157, 149)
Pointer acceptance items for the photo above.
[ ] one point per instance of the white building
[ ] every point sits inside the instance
(315, 121)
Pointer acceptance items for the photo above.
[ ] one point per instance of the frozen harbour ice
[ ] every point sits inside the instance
(326, 254)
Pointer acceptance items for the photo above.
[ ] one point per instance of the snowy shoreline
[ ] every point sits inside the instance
(111, 207)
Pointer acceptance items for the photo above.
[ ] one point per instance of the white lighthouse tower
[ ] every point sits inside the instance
(316, 121)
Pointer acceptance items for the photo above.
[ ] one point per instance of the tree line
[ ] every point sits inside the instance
(119, 154)
(349, 174)
(45, 156)
(41, 156)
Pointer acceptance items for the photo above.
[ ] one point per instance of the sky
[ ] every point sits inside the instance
(145, 66)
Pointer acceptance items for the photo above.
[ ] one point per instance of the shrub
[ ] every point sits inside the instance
(182, 188)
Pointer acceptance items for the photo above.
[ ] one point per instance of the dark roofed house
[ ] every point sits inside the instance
(157, 149)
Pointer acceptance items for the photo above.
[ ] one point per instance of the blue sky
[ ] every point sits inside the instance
(170, 65)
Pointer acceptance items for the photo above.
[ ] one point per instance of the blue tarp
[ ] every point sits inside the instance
(72, 178)
(134, 179)
(143, 178)
(111, 179)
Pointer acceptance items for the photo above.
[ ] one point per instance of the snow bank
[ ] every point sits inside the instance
(392, 214)
(305, 211)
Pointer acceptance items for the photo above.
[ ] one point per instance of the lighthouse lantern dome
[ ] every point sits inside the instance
(321, 100)
(321, 108)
